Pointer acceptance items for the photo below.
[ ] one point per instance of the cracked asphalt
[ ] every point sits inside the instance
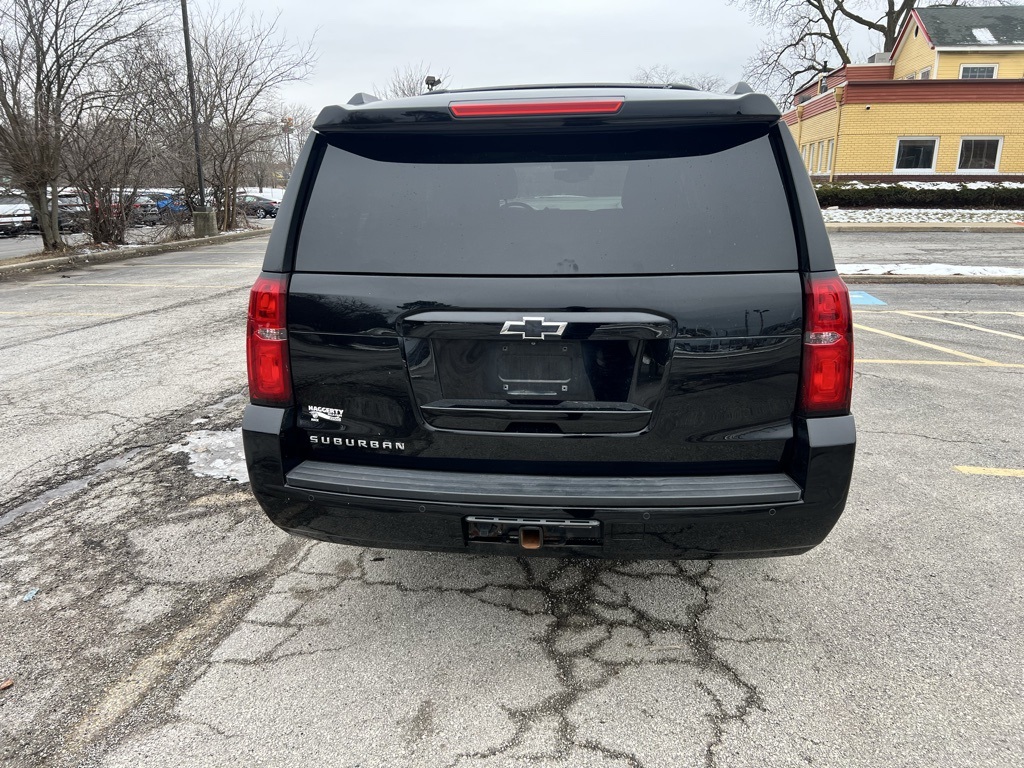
(170, 623)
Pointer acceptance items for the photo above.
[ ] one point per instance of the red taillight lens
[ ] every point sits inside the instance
(827, 376)
(535, 108)
(270, 381)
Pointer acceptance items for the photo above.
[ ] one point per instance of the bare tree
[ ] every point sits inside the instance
(241, 63)
(273, 158)
(808, 37)
(410, 80)
(665, 75)
(47, 50)
(656, 74)
(108, 152)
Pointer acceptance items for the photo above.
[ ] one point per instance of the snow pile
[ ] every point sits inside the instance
(274, 193)
(920, 215)
(927, 269)
(215, 454)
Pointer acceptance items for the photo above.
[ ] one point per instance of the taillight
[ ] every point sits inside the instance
(827, 376)
(270, 380)
(536, 108)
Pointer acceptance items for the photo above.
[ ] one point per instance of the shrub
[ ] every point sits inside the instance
(898, 196)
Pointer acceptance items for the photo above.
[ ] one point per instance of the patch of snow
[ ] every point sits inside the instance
(274, 193)
(925, 184)
(926, 269)
(215, 454)
(984, 35)
(920, 215)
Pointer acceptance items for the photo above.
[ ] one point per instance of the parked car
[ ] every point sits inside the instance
(596, 321)
(260, 207)
(71, 212)
(169, 206)
(15, 215)
(144, 212)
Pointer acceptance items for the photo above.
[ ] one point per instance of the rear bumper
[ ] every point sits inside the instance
(642, 517)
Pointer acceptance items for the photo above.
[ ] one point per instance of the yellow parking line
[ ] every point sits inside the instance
(72, 284)
(995, 471)
(860, 361)
(962, 325)
(939, 312)
(936, 347)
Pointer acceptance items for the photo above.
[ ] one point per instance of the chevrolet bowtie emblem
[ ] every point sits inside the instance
(533, 328)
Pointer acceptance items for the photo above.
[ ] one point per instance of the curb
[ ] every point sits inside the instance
(122, 254)
(964, 226)
(936, 279)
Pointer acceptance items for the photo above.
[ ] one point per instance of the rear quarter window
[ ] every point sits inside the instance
(663, 201)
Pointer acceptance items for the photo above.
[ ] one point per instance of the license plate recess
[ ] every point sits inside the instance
(556, 532)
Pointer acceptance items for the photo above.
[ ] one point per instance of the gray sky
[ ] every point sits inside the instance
(492, 42)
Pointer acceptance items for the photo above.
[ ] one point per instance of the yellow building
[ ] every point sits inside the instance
(946, 104)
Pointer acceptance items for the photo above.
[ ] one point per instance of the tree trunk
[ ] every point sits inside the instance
(45, 209)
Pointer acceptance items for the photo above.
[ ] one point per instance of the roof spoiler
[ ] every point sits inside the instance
(432, 112)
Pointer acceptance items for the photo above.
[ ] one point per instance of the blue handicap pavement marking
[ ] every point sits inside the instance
(863, 298)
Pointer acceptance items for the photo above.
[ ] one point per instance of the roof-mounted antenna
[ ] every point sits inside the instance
(739, 88)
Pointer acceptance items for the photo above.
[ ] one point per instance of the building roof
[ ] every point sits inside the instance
(954, 26)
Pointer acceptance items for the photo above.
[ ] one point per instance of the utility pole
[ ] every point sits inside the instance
(287, 124)
(203, 219)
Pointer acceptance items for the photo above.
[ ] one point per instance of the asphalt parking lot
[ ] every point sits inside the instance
(151, 616)
(28, 244)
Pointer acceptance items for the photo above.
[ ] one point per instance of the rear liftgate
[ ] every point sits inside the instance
(577, 373)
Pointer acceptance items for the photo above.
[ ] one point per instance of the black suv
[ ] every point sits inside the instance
(592, 320)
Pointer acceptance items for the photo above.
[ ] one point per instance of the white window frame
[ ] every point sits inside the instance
(925, 74)
(935, 154)
(830, 148)
(810, 157)
(999, 154)
(995, 71)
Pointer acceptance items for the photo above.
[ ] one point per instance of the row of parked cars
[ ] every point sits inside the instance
(148, 208)
(16, 214)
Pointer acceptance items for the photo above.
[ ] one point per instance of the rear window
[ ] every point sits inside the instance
(685, 200)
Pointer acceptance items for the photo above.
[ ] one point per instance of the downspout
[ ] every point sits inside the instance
(800, 128)
(840, 90)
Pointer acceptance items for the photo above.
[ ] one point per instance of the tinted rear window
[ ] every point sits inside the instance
(643, 202)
